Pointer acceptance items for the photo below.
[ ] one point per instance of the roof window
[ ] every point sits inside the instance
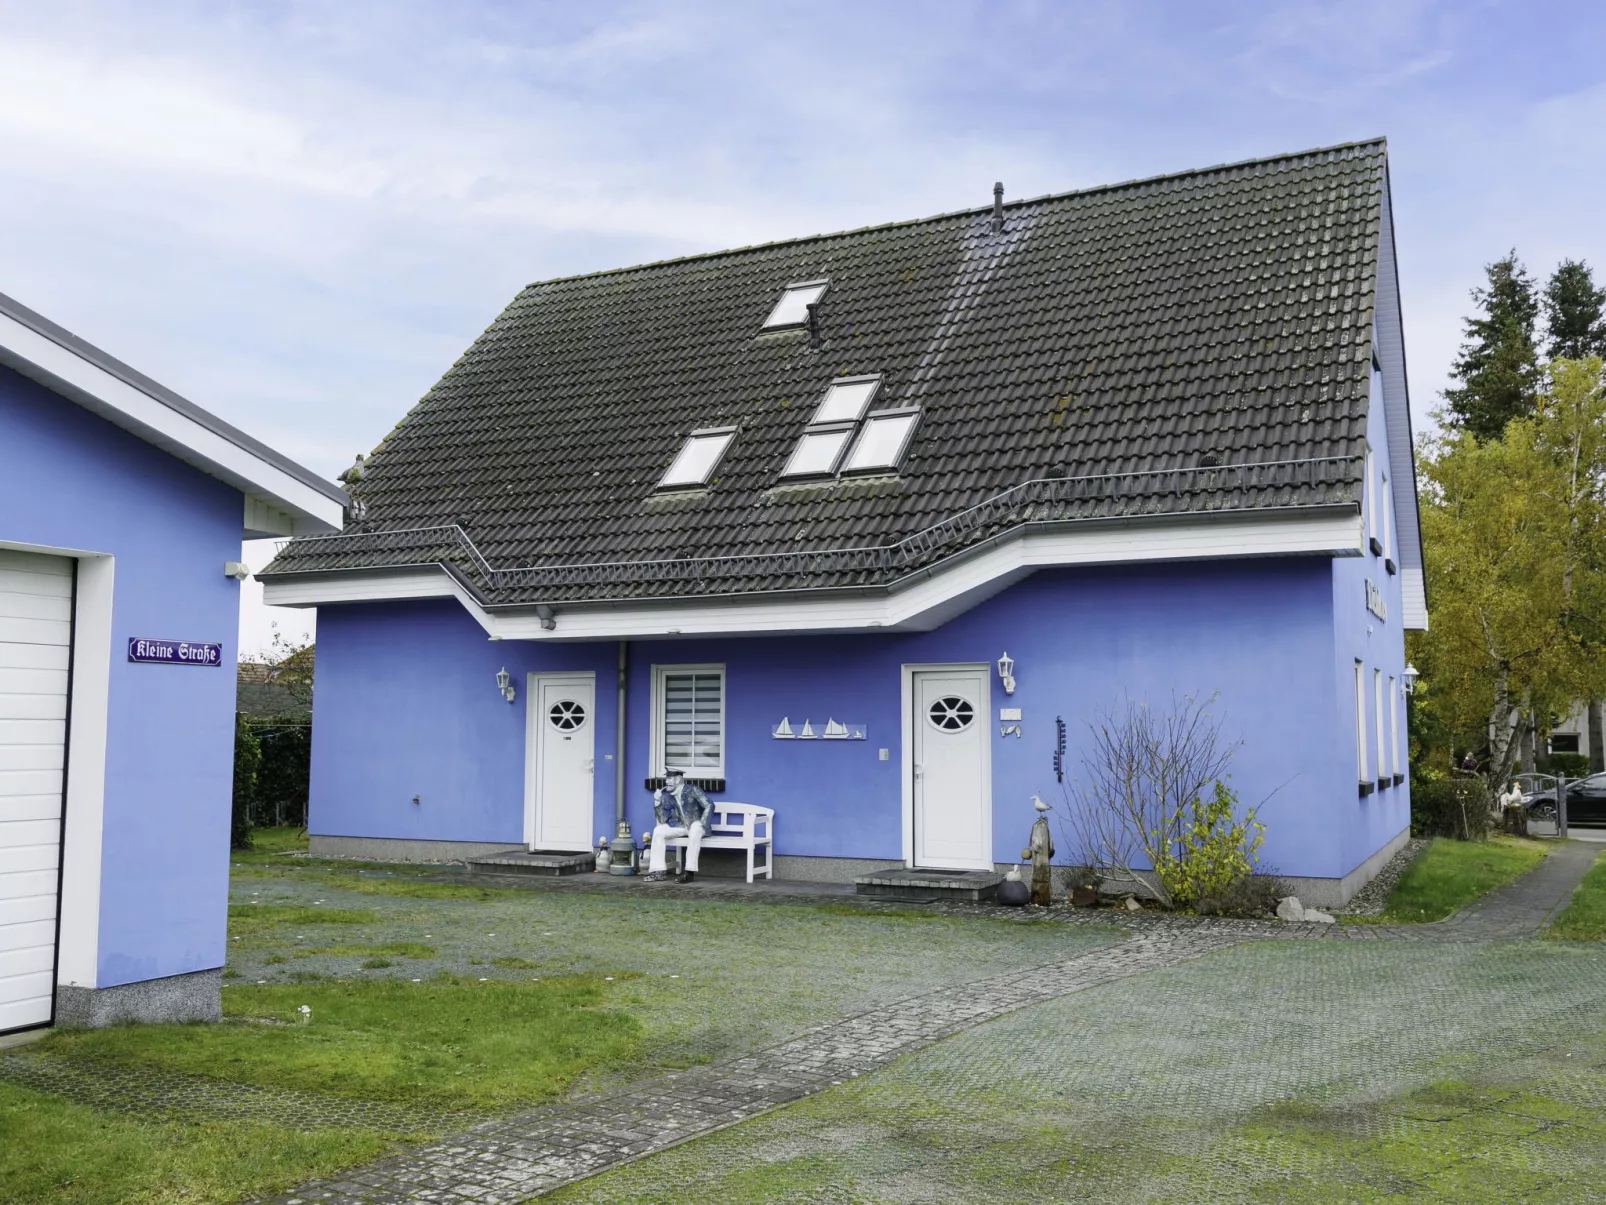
(793, 307)
(881, 444)
(847, 400)
(817, 453)
(840, 423)
(695, 461)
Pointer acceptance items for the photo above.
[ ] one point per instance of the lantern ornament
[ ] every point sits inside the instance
(1409, 677)
(1006, 671)
(504, 684)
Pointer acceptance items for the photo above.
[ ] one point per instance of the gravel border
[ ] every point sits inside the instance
(1370, 899)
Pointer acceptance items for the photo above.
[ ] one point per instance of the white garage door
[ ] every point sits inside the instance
(35, 631)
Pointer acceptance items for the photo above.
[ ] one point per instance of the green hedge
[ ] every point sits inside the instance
(1450, 807)
(271, 762)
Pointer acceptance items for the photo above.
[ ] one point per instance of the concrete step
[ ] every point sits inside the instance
(926, 886)
(522, 861)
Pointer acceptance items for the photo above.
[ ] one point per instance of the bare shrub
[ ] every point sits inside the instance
(1151, 792)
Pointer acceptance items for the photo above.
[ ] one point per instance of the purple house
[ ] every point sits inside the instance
(841, 525)
(122, 507)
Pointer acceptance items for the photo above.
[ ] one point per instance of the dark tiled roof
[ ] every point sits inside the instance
(1132, 339)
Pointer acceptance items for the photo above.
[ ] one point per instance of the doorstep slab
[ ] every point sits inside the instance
(971, 886)
(522, 861)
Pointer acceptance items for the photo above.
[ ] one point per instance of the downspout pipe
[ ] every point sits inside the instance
(623, 846)
(619, 737)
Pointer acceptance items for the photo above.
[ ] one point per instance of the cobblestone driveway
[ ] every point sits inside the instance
(1167, 1084)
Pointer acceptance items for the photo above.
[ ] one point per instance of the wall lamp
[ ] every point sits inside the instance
(504, 683)
(1408, 678)
(1006, 671)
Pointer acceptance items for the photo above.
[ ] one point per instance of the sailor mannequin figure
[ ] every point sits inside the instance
(681, 811)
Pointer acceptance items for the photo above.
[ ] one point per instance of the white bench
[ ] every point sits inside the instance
(742, 826)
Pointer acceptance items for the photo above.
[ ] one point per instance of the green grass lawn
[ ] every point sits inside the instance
(1451, 874)
(56, 1152)
(448, 1042)
(1584, 918)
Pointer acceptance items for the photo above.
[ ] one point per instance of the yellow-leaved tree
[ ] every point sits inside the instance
(1514, 548)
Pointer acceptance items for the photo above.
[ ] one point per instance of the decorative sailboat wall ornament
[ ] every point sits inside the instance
(834, 731)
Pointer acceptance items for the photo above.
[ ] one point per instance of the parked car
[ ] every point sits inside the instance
(1586, 799)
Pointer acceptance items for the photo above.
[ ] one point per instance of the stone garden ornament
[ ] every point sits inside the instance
(1041, 851)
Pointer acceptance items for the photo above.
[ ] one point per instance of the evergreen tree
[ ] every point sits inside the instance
(1498, 368)
(1573, 313)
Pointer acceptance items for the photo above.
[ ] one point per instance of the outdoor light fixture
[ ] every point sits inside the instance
(504, 683)
(1006, 671)
(1409, 677)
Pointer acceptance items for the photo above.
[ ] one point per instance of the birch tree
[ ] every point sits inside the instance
(1513, 536)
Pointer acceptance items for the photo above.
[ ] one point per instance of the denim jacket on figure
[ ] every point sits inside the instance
(692, 807)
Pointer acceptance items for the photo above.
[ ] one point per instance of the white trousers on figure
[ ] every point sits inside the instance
(657, 860)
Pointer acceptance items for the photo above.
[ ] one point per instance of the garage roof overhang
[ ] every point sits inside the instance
(282, 498)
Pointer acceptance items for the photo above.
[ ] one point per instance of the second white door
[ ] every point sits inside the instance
(561, 739)
(952, 768)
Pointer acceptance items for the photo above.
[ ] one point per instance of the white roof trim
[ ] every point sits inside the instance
(1388, 335)
(920, 604)
(291, 495)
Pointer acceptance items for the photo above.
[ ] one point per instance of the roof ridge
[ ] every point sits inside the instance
(1136, 182)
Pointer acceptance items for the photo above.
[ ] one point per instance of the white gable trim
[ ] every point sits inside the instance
(1389, 338)
(920, 603)
(282, 498)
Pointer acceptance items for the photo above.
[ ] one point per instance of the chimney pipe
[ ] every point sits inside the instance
(998, 208)
(814, 324)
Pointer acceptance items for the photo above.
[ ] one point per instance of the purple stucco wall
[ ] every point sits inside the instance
(71, 480)
(1370, 821)
(406, 704)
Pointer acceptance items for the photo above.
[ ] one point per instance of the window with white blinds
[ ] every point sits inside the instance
(688, 727)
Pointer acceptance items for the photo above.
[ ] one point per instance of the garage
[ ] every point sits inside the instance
(35, 658)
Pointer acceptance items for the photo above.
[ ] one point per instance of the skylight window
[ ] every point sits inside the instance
(793, 307)
(881, 444)
(818, 451)
(842, 437)
(847, 400)
(695, 461)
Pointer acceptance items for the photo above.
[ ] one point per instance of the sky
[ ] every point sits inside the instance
(298, 215)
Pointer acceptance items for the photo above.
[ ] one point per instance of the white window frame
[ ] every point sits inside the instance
(773, 322)
(896, 460)
(726, 436)
(1394, 727)
(1377, 707)
(1361, 739)
(660, 680)
(1371, 503)
(1387, 503)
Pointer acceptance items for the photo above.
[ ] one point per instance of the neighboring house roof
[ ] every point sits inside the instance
(281, 691)
(1191, 345)
(281, 497)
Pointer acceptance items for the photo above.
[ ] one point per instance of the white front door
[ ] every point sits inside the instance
(35, 634)
(952, 770)
(560, 748)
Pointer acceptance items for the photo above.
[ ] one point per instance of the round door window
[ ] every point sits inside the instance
(951, 713)
(567, 715)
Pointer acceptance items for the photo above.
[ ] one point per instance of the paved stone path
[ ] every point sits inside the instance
(1524, 907)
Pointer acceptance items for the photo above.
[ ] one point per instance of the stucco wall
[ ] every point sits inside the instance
(407, 705)
(1370, 821)
(71, 480)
